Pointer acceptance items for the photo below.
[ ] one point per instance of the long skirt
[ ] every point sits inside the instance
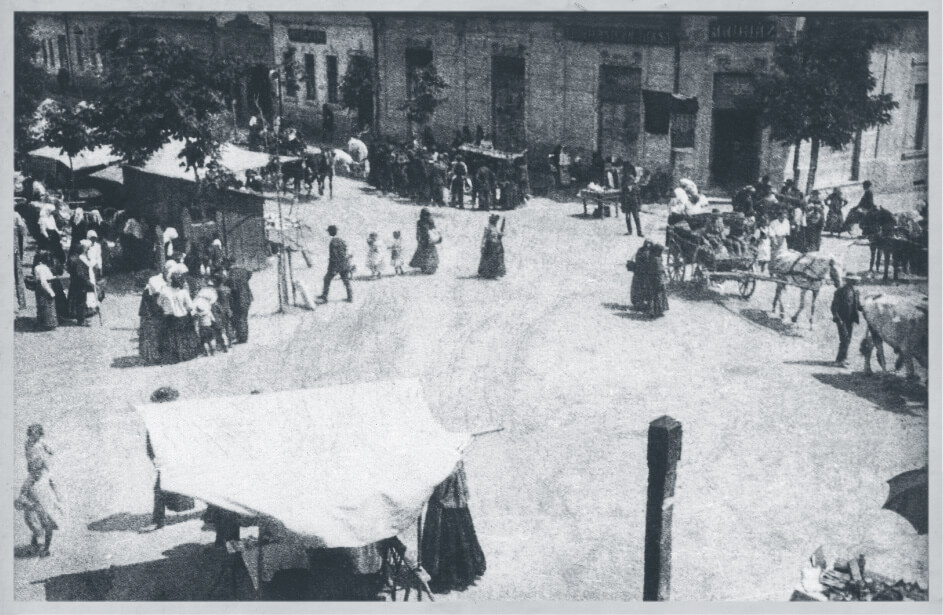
(834, 222)
(659, 298)
(492, 260)
(426, 259)
(639, 291)
(450, 550)
(46, 316)
(41, 504)
(78, 304)
(813, 238)
(182, 342)
(149, 339)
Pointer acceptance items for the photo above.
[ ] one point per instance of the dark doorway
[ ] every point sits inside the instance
(735, 156)
(259, 92)
(508, 97)
(620, 106)
(332, 79)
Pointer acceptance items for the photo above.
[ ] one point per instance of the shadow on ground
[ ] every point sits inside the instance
(812, 363)
(191, 572)
(887, 391)
(128, 361)
(627, 311)
(128, 522)
(763, 319)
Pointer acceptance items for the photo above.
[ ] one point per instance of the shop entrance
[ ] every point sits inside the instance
(508, 98)
(735, 159)
(620, 117)
(735, 146)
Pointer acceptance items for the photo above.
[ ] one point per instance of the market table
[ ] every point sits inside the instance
(603, 198)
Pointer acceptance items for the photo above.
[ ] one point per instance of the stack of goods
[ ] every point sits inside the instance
(850, 581)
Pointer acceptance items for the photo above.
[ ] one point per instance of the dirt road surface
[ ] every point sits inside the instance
(782, 451)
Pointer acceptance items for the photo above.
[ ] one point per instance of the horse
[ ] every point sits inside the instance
(902, 322)
(877, 225)
(808, 272)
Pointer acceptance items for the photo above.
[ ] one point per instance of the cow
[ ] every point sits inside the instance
(902, 322)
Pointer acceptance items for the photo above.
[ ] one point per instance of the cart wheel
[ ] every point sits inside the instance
(676, 266)
(746, 286)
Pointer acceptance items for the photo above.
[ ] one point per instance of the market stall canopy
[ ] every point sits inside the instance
(166, 161)
(490, 152)
(111, 174)
(344, 466)
(86, 159)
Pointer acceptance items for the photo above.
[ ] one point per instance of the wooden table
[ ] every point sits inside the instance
(603, 200)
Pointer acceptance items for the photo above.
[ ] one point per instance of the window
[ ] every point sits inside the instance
(79, 55)
(657, 111)
(45, 55)
(63, 51)
(311, 90)
(288, 63)
(682, 129)
(920, 128)
(416, 60)
(332, 79)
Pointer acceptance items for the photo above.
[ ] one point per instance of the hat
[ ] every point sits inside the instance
(85, 243)
(493, 218)
(332, 229)
(91, 235)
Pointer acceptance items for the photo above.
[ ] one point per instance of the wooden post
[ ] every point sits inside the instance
(664, 451)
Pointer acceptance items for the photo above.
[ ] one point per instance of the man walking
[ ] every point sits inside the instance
(241, 300)
(631, 203)
(336, 264)
(845, 308)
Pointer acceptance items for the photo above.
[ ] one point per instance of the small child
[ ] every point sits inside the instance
(396, 253)
(374, 255)
(203, 317)
(222, 311)
(763, 250)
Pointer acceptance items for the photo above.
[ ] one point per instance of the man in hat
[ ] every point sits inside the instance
(336, 264)
(845, 306)
(238, 282)
(867, 199)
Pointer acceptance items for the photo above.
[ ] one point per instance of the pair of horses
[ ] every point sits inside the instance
(895, 240)
(312, 168)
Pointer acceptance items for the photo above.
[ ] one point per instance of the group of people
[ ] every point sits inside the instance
(649, 290)
(423, 172)
(185, 311)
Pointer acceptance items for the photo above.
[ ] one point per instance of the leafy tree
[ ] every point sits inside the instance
(428, 88)
(156, 90)
(357, 88)
(820, 88)
(29, 80)
(70, 128)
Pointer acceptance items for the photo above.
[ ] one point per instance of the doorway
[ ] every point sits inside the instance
(259, 92)
(736, 149)
(508, 99)
(620, 117)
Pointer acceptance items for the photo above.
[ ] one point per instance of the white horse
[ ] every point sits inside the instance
(808, 272)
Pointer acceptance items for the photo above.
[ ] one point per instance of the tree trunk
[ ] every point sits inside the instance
(72, 180)
(797, 148)
(813, 165)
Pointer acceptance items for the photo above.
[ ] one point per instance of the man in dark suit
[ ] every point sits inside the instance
(631, 201)
(336, 264)
(845, 308)
(241, 300)
(867, 199)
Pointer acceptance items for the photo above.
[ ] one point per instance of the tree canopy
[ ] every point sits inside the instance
(156, 90)
(428, 90)
(28, 79)
(820, 89)
(357, 88)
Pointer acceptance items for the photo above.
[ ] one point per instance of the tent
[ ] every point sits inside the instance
(51, 166)
(166, 161)
(342, 466)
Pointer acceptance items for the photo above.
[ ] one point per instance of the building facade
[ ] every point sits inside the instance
(670, 92)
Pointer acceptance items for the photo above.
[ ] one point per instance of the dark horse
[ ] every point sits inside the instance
(886, 239)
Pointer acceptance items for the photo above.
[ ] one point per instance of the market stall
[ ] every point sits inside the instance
(51, 166)
(505, 165)
(606, 200)
(339, 467)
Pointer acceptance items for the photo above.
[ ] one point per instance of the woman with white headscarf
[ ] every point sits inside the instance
(698, 203)
(152, 317)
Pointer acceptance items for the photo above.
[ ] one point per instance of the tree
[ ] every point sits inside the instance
(357, 88)
(820, 88)
(29, 80)
(155, 91)
(71, 129)
(428, 88)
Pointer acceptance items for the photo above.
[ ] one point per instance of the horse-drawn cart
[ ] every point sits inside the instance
(714, 257)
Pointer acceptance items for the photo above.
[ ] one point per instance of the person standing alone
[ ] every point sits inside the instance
(845, 308)
(337, 265)
(631, 203)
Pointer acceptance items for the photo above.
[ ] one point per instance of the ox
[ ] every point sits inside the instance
(899, 320)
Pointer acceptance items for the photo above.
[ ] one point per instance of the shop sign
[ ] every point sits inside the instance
(741, 31)
(618, 36)
(303, 35)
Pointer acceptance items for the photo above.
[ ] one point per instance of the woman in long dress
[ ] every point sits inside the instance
(82, 300)
(658, 291)
(182, 343)
(151, 314)
(426, 258)
(450, 550)
(46, 317)
(639, 292)
(491, 265)
(39, 498)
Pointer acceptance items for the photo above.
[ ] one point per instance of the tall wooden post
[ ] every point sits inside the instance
(664, 451)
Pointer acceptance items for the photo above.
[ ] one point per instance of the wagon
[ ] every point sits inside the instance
(688, 245)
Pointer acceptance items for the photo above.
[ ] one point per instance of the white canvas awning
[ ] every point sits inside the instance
(342, 466)
(166, 161)
(86, 159)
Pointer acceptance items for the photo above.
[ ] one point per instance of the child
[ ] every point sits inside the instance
(396, 253)
(222, 311)
(763, 250)
(374, 256)
(203, 317)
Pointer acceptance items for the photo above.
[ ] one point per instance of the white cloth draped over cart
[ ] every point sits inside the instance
(343, 466)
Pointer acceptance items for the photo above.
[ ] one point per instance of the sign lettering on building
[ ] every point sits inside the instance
(741, 32)
(304, 35)
(619, 36)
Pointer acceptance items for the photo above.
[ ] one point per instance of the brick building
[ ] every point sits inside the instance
(672, 92)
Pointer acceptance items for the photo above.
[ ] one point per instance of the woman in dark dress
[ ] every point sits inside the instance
(46, 317)
(491, 265)
(658, 292)
(80, 283)
(152, 316)
(426, 258)
(639, 292)
(450, 550)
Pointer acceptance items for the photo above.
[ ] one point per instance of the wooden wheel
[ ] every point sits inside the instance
(676, 264)
(746, 286)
